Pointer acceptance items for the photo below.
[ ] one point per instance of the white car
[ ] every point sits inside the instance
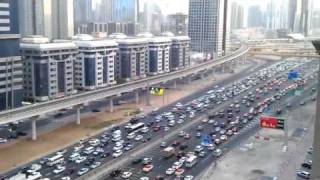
(66, 178)
(2, 140)
(126, 175)
(188, 177)
(81, 159)
(138, 138)
(82, 171)
(170, 171)
(117, 153)
(144, 178)
(116, 148)
(59, 169)
(95, 165)
(35, 167)
(177, 165)
(131, 135)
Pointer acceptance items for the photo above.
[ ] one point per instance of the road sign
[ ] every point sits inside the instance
(157, 91)
(293, 75)
(271, 122)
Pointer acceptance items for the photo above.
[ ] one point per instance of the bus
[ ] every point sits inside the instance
(29, 176)
(191, 161)
(135, 127)
(55, 160)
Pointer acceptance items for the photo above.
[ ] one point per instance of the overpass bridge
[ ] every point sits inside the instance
(286, 54)
(34, 111)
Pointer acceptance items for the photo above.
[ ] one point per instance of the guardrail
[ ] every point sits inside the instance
(85, 97)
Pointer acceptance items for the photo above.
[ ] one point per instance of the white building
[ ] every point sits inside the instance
(95, 64)
(48, 68)
(132, 57)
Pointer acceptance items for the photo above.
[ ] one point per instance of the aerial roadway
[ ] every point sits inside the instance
(180, 140)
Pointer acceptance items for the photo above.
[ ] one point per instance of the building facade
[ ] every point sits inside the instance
(49, 68)
(206, 23)
(159, 55)
(11, 67)
(177, 24)
(49, 18)
(62, 19)
(132, 59)
(94, 66)
(180, 52)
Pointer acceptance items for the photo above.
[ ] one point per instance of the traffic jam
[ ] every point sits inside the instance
(228, 110)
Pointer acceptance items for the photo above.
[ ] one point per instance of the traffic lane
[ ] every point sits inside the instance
(26, 127)
(160, 165)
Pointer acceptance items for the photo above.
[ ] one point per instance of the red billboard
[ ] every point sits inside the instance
(268, 122)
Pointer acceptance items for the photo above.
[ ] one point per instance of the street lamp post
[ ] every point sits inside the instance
(315, 173)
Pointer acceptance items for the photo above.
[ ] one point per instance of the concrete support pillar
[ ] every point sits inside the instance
(189, 79)
(202, 75)
(175, 84)
(78, 115)
(137, 96)
(148, 96)
(34, 128)
(111, 108)
(223, 68)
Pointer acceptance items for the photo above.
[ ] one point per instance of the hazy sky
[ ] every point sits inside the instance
(174, 6)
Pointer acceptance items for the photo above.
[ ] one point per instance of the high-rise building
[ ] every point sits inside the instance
(152, 18)
(35, 17)
(300, 16)
(62, 18)
(237, 16)
(176, 23)
(82, 13)
(206, 25)
(48, 68)
(125, 10)
(95, 63)
(50, 18)
(255, 17)
(11, 67)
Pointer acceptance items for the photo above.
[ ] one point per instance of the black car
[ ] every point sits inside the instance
(136, 161)
(306, 165)
(115, 173)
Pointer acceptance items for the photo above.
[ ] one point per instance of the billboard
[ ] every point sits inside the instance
(157, 91)
(271, 122)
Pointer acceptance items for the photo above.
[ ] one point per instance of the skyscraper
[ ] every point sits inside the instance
(300, 16)
(255, 17)
(206, 24)
(35, 17)
(11, 69)
(50, 18)
(62, 18)
(237, 15)
(125, 10)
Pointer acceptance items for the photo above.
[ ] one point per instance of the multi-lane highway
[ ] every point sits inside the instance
(165, 127)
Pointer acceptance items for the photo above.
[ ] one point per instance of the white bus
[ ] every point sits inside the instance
(135, 127)
(191, 161)
(30, 176)
(55, 160)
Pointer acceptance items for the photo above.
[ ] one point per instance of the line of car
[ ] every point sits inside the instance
(90, 154)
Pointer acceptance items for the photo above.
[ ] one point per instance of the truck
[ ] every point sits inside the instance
(168, 152)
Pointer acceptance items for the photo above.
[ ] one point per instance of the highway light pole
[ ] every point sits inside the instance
(315, 173)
